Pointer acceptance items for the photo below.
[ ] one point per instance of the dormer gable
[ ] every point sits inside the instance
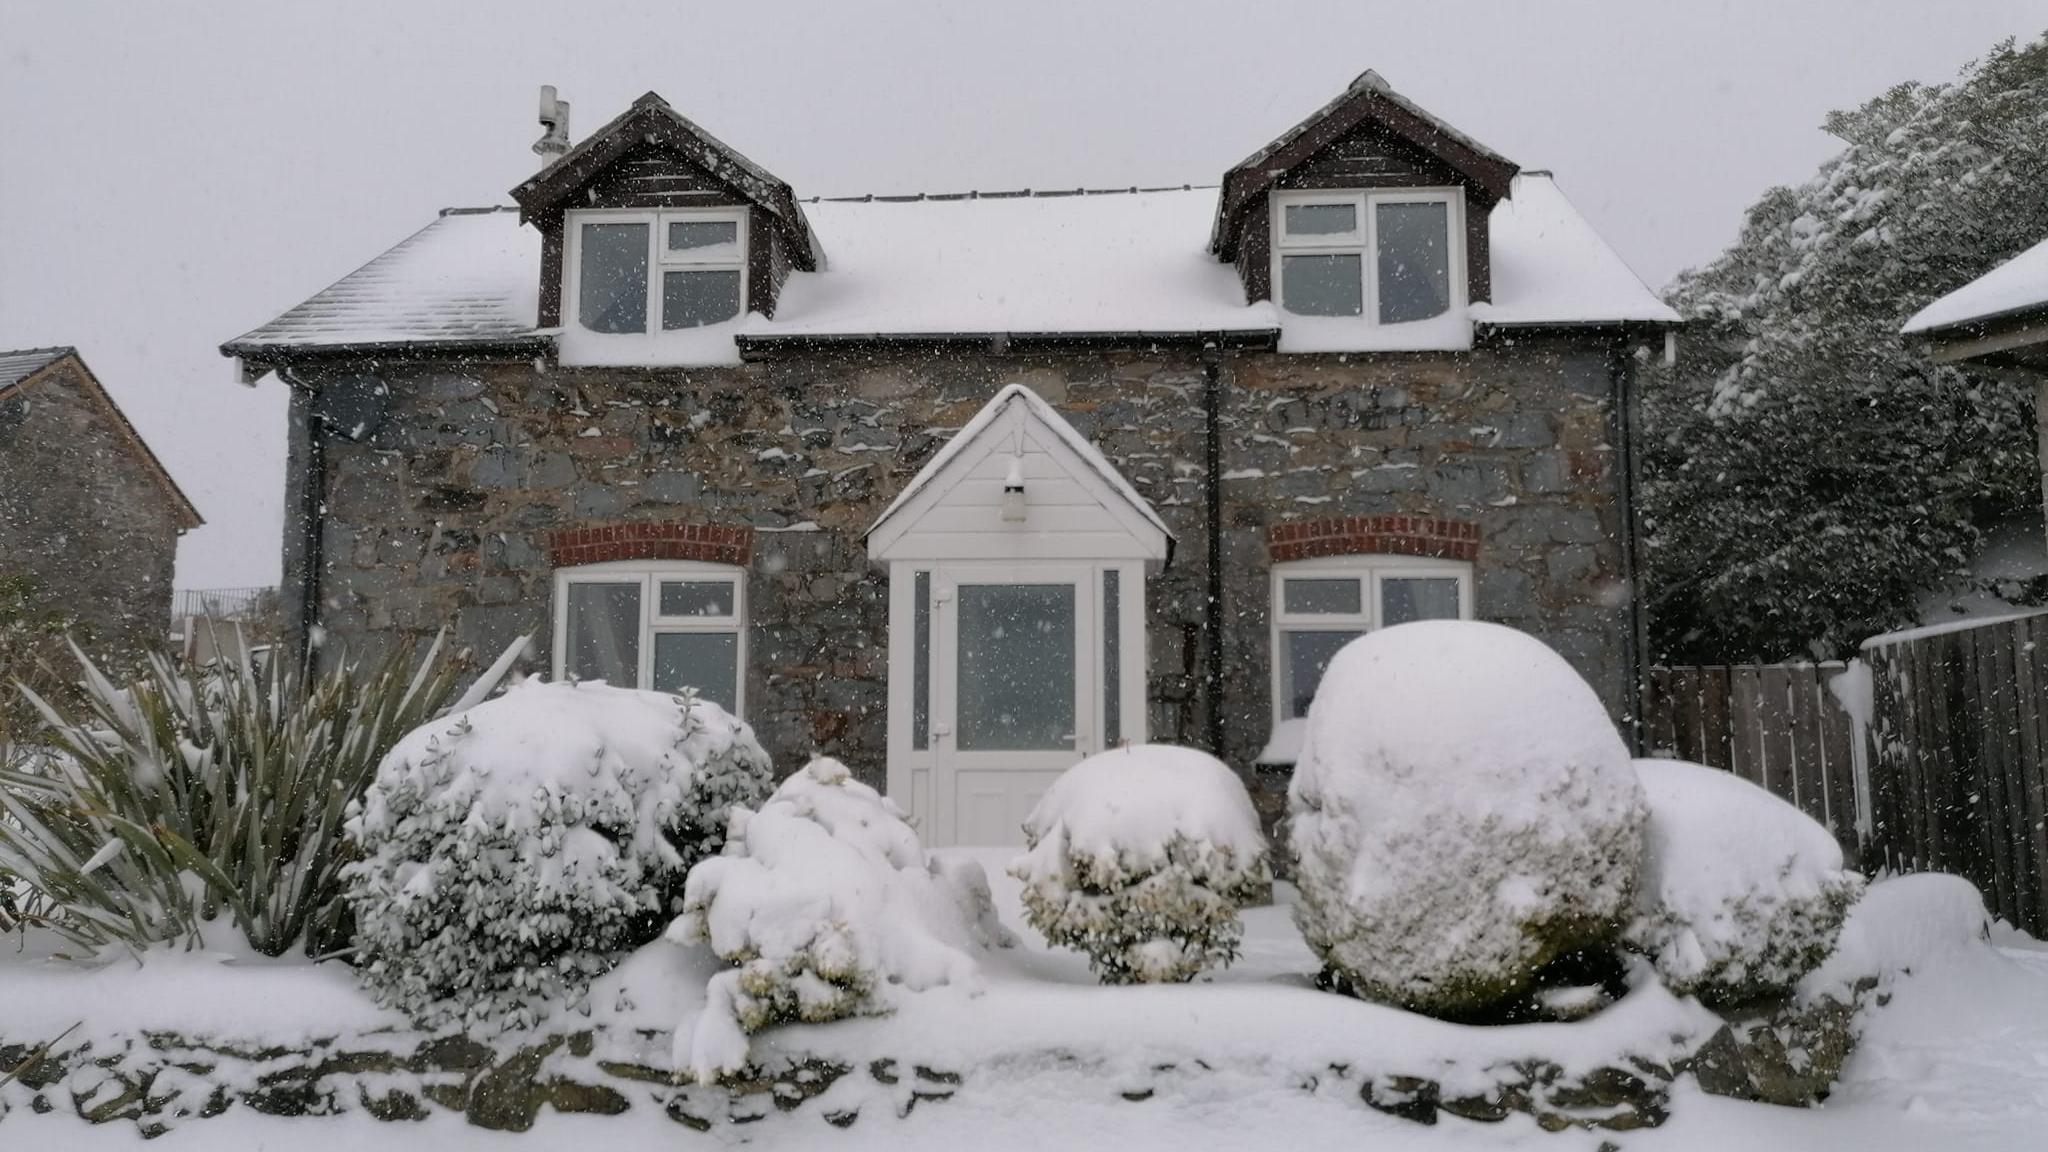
(1377, 145)
(707, 212)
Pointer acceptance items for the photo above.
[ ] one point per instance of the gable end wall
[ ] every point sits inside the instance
(90, 525)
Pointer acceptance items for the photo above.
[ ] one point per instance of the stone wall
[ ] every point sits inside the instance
(90, 526)
(445, 514)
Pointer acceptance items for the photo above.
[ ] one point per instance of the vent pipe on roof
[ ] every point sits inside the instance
(554, 118)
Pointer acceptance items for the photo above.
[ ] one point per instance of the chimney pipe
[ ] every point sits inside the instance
(554, 118)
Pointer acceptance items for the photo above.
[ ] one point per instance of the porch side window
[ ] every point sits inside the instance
(1321, 605)
(637, 272)
(659, 625)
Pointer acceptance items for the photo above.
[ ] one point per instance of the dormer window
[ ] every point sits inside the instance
(1393, 255)
(647, 271)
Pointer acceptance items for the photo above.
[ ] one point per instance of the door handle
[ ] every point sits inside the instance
(942, 730)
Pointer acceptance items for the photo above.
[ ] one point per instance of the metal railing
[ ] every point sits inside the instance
(219, 603)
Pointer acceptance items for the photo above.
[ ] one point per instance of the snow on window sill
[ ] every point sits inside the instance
(709, 346)
(1450, 332)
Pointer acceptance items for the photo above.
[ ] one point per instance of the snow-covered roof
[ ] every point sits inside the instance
(470, 277)
(1105, 262)
(2018, 285)
(20, 365)
(1098, 263)
(1551, 268)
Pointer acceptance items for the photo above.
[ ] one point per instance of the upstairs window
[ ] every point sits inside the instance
(656, 271)
(1321, 605)
(664, 625)
(1391, 256)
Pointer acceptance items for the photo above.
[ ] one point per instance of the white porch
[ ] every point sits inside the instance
(1017, 562)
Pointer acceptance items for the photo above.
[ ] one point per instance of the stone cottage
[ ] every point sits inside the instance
(89, 518)
(961, 487)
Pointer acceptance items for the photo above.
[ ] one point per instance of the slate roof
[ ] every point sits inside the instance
(18, 366)
(1122, 262)
(471, 278)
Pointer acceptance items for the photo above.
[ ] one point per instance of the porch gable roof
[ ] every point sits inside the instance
(1013, 415)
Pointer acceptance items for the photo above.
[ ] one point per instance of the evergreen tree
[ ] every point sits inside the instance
(1808, 471)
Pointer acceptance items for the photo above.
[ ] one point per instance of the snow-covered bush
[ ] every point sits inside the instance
(1742, 894)
(1463, 813)
(1140, 857)
(510, 851)
(823, 900)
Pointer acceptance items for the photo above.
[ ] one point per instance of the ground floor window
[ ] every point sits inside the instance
(665, 625)
(1320, 605)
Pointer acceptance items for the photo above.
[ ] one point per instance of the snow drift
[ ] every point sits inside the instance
(1463, 813)
(509, 851)
(823, 900)
(1140, 857)
(1742, 894)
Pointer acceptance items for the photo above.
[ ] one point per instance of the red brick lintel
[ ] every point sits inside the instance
(660, 540)
(1374, 535)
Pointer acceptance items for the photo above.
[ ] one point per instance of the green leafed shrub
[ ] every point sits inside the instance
(196, 792)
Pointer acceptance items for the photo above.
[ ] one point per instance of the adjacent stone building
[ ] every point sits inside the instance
(89, 518)
(957, 488)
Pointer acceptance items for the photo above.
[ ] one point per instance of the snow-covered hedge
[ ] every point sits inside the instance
(1463, 813)
(1742, 894)
(823, 900)
(511, 850)
(1140, 857)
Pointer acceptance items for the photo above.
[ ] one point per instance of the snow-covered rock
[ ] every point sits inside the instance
(1463, 813)
(1140, 857)
(826, 905)
(1742, 894)
(511, 850)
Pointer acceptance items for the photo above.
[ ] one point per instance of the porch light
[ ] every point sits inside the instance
(1013, 491)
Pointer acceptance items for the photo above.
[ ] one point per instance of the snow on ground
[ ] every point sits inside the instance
(229, 992)
(1957, 1061)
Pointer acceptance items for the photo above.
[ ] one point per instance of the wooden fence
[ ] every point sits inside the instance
(1777, 725)
(1959, 779)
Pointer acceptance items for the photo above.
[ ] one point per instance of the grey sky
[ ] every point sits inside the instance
(172, 174)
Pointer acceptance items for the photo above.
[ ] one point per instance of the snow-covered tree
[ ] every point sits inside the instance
(1140, 857)
(1808, 470)
(511, 851)
(1464, 813)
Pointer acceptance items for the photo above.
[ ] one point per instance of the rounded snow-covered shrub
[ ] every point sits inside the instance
(1742, 894)
(1463, 813)
(1140, 857)
(510, 851)
(825, 904)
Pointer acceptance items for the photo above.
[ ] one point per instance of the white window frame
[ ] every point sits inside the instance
(650, 574)
(1370, 571)
(659, 260)
(1364, 243)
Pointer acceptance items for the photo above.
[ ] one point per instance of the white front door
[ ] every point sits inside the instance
(1013, 692)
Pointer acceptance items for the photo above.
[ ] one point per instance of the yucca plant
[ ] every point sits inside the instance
(198, 791)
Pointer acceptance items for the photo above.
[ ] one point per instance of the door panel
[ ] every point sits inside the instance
(993, 804)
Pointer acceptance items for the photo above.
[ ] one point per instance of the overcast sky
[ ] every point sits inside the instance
(173, 174)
